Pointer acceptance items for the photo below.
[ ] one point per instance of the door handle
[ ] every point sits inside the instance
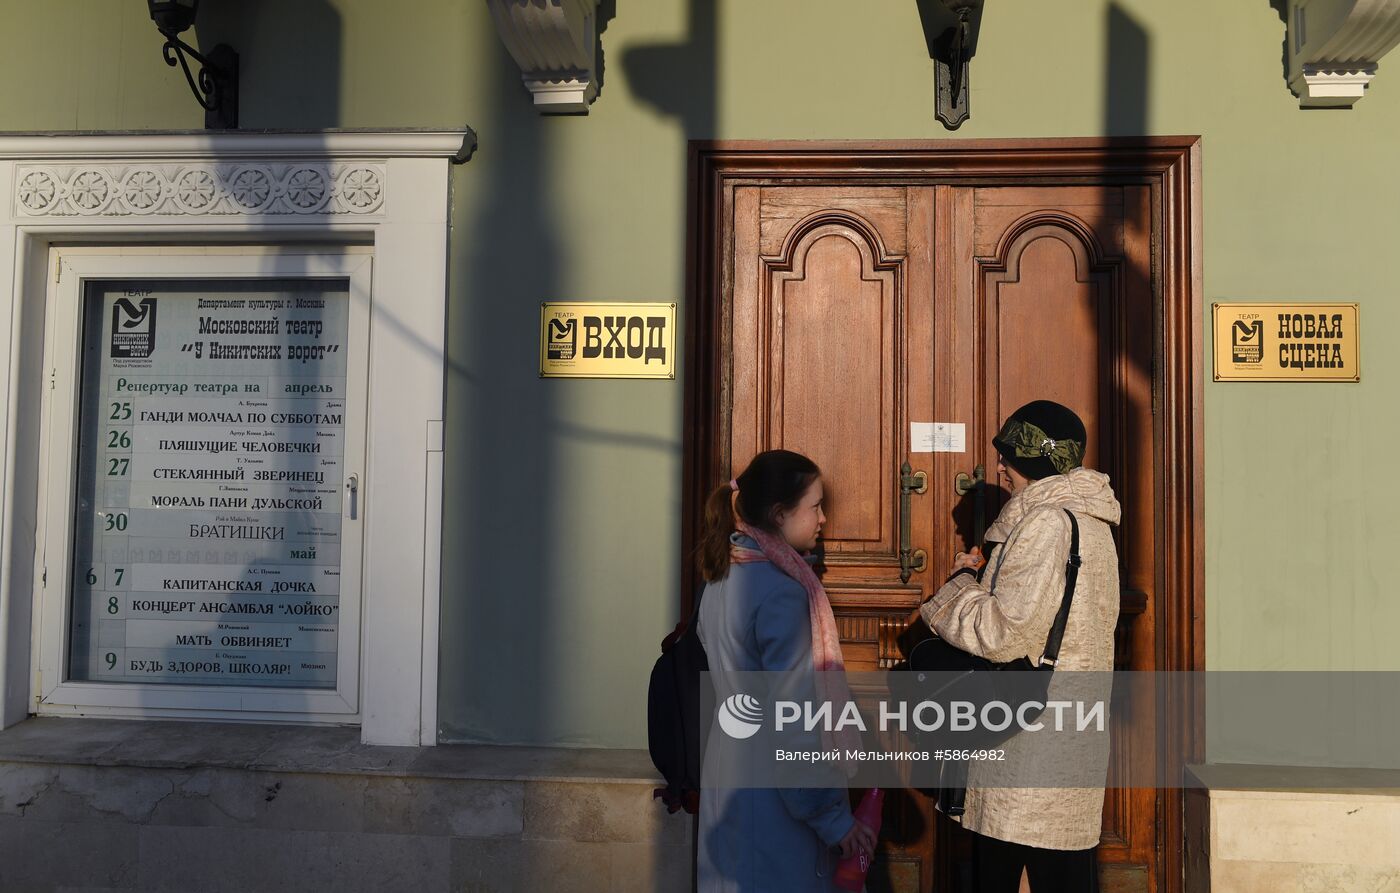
(352, 490)
(911, 560)
(976, 484)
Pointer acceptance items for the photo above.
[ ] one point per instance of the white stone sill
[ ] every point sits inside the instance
(456, 143)
(334, 750)
(1264, 782)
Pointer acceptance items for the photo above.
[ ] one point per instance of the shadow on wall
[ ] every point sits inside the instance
(681, 82)
(1126, 66)
(495, 665)
(291, 52)
(501, 658)
(1280, 7)
(500, 664)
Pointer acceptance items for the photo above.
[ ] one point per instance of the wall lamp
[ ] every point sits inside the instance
(950, 30)
(216, 85)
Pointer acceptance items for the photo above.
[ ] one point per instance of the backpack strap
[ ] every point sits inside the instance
(684, 626)
(1057, 631)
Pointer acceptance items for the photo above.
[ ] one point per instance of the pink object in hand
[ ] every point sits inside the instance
(850, 872)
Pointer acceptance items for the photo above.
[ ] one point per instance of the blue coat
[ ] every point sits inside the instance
(762, 839)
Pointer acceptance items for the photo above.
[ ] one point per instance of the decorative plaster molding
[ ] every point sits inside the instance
(1332, 88)
(251, 144)
(249, 188)
(1334, 47)
(555, 43)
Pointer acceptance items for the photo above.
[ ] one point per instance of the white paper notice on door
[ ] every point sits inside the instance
(937, 437)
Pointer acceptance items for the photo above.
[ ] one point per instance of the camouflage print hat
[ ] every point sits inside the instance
(1042, 438)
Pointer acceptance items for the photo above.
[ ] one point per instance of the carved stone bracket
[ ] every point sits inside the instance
(555, 43)
(1334, 47)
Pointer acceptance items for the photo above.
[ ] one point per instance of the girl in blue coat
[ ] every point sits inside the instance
(764, 610)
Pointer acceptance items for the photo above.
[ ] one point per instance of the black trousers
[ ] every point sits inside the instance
(997, 864)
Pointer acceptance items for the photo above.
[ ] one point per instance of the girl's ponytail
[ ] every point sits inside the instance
(714, 542)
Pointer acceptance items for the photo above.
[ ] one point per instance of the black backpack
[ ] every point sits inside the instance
(675, 728)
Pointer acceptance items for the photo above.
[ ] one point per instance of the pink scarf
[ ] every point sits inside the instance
(826, 638)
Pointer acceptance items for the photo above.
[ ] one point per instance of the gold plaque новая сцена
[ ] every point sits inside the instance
(1287, 342)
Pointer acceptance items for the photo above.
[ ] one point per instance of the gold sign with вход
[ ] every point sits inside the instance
(602, 340)
(1287, 342)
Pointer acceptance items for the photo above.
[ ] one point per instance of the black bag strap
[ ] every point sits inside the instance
(684, 627)
(1057, 631)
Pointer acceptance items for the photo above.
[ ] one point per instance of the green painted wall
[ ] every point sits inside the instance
(564, 497)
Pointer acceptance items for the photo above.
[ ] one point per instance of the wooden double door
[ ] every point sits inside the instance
(842, 315)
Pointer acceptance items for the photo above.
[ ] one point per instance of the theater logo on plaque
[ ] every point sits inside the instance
(1287, 342)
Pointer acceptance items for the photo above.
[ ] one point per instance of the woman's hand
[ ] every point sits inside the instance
(860, 838)
(973, 560)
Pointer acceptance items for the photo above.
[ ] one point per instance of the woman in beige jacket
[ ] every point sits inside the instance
(1005, 613)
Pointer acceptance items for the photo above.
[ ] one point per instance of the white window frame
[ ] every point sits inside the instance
(125, 192)
(58, 449)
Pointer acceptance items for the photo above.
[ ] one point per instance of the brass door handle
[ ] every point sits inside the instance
(976, 484)
(911, 560)
(964, 483)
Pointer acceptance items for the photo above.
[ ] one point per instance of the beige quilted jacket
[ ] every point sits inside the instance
(1009, 614)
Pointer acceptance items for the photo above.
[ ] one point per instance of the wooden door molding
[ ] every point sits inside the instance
(877, 266)
(1170, 169)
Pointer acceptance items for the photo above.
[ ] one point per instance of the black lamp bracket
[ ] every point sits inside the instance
(951, 105)
(215, 88)
(950, 30)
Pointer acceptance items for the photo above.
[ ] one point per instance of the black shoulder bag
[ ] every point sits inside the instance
(937, 671)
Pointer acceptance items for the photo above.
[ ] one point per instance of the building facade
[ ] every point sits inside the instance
(508, 549)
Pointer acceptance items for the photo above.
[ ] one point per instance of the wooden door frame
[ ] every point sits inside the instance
(1171, 167)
